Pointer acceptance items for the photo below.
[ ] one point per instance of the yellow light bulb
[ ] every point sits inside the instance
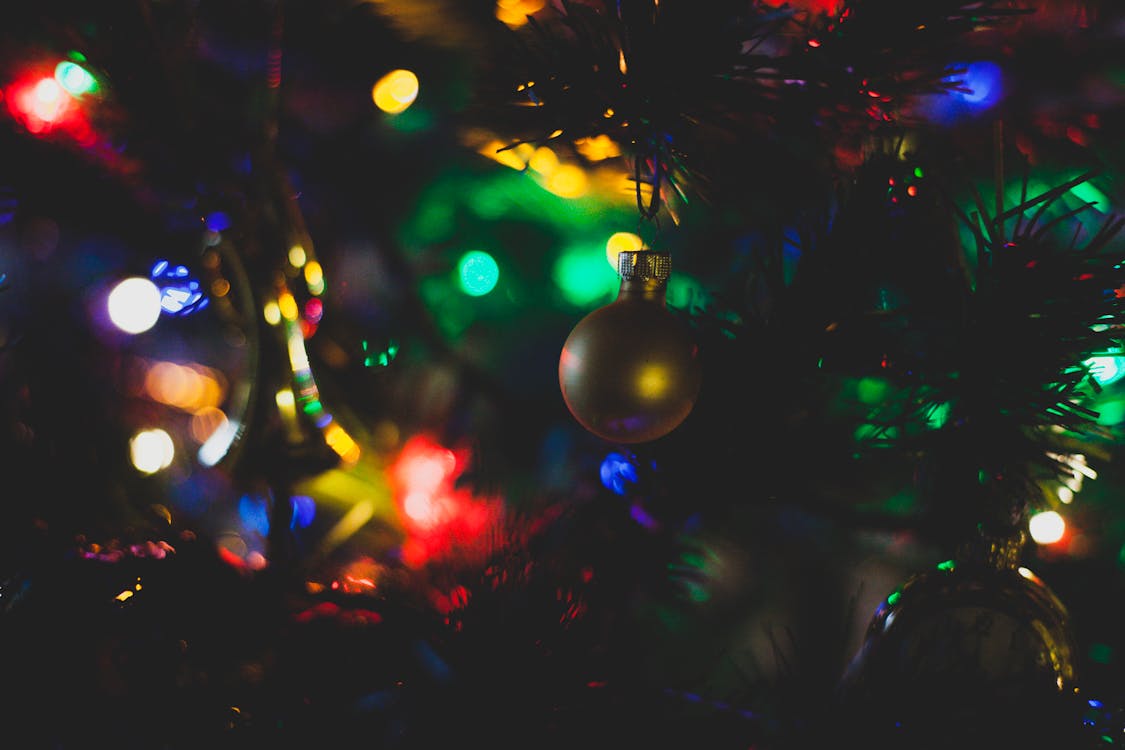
(396, 91)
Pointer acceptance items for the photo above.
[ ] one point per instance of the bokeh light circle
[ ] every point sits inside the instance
(134, 305)
(478, 273)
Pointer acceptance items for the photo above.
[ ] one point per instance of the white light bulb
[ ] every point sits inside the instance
(134, 305)
(152, 450)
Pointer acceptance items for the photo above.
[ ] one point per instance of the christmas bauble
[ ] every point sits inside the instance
(630, 371)
(977, 647)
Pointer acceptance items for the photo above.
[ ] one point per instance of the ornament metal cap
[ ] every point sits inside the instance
(644, 265)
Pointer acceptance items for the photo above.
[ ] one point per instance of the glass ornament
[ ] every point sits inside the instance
(977, 648)
(630, 371)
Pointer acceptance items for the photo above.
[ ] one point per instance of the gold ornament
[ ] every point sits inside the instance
(976, 646)
(630, 371)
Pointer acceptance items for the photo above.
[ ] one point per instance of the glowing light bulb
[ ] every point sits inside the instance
(982, 81)
(304, 510)
(477, 273)
(297, 256)
(544, 161)
(599, 147)
(180, 293)
(314, 277)
(219, 443)
(75, 79)
(421, 508)
(272, 313)
(1047, 527)
(134, 305)
(582, 278)
(151, 450)
(396, 91)
(980, 86)
(426, 471)
(515, 13)
(287, 305)
(1106, 369)
(618, 472)
(48, 100)
(254, 514)
(567, 181)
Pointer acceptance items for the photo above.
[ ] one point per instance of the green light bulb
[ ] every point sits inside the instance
(477, 273)
(75, 79)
